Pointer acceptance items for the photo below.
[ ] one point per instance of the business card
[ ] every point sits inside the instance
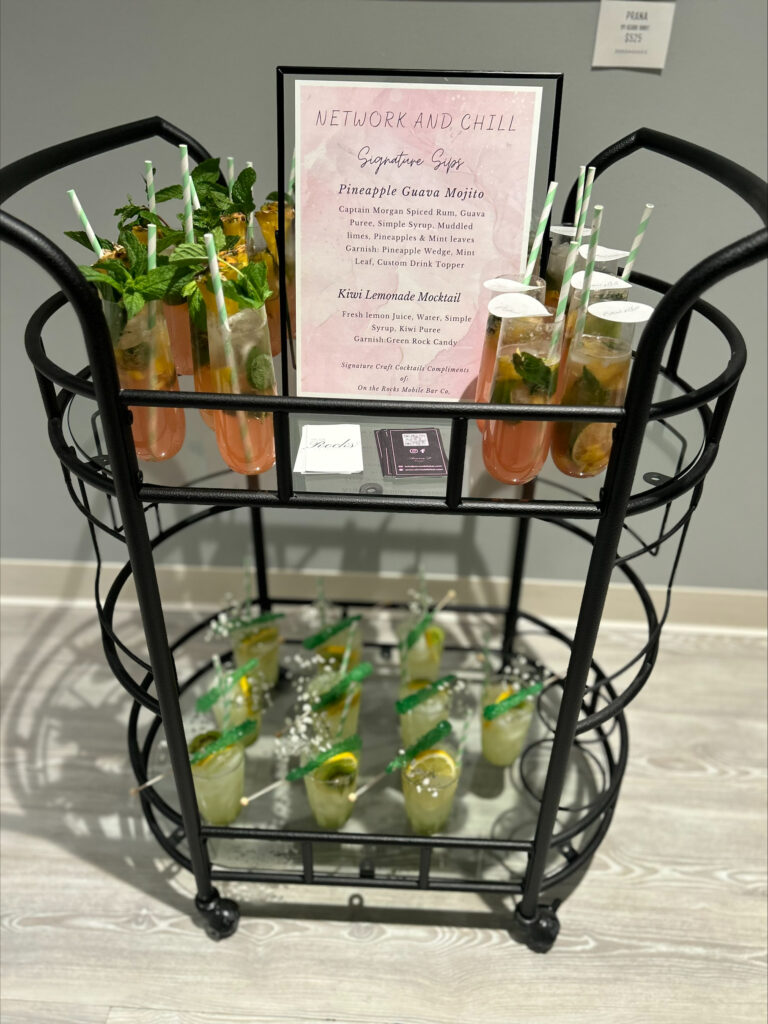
(411, 452)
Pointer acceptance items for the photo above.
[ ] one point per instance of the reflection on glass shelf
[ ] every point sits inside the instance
(667, 450)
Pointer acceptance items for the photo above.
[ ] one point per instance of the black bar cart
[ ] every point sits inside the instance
(580, 715)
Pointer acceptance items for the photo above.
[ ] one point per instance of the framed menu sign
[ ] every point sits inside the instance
(411, 190)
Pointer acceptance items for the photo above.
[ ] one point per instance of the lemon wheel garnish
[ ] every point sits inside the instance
(592, 446)
(503, 696)
(337, 766)
(437, 763)
(434, 636)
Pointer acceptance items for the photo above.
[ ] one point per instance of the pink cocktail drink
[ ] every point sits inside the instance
(526, 374)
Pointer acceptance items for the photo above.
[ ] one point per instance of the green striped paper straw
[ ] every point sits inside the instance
(588, 272)
(637, 242)
(562, 302)
(579, 193)
(230, 174)
(539, 236)
(151, 322)
(581, 223)
(149, 174)
(193, 194)
(250, 234)
(226, 334)
(186, 184)
(95, 244)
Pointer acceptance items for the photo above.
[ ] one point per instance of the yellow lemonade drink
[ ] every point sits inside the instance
(331, 643)
(240, 703)
(218, 780)
(335, 700)
(503, 735)
(526, 373)
(261, 642)
(420, 654)
(596, 374)
(421, 705)
(329, 788)
(429, 782)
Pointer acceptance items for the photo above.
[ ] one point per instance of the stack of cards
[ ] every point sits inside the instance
(414, 452)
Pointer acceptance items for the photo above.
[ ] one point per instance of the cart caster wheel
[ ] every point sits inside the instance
(220, 914)
(537, 933)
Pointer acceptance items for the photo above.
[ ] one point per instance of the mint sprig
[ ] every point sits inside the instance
(538, 377)
(249, 289)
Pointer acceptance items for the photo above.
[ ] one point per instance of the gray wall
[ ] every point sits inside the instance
(71, 68)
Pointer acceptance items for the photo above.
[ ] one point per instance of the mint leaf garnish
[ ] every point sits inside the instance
(539, 378)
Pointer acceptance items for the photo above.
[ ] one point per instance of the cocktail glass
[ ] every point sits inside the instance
(603, 288)
(143, 357)
(336, 720)
(503, 736)
(242, 702)
(218, 780)
(333, 649)
(429, 782)
(526, 374)
(263, 643)
(509, 284)
(246, 439)
(421, 649)
(329, 788)
(417, 721)
(595, 374)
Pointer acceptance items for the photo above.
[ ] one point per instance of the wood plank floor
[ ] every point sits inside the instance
(669, 924)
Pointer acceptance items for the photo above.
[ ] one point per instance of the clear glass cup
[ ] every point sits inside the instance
(143, 358)
(241, 703)
(506, 285)
(421, 660)
(603, 288)
(338, 720)
(263, 643)
(329, 788)
(218, 781)
(526, 374)
(333, 649)
(503, 737)
(594, 374)
(246, 439)
(429, 783)
(420, 719)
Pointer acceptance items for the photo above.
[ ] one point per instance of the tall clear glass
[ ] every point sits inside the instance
(218, 781)
(560, 239)
(595, 374)
(329, 788)
(429, 783)
(509, 284)
(504, 735)
(526, 374)
(603, 288)
(246, 439)
(143, 358)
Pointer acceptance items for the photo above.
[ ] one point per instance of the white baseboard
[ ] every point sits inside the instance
(32, 581)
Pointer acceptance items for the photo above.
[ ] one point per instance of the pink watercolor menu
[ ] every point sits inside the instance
(408, 197)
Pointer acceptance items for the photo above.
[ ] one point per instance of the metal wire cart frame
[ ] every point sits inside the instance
(589, 705)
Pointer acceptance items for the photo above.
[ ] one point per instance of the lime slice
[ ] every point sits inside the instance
(592, 446)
